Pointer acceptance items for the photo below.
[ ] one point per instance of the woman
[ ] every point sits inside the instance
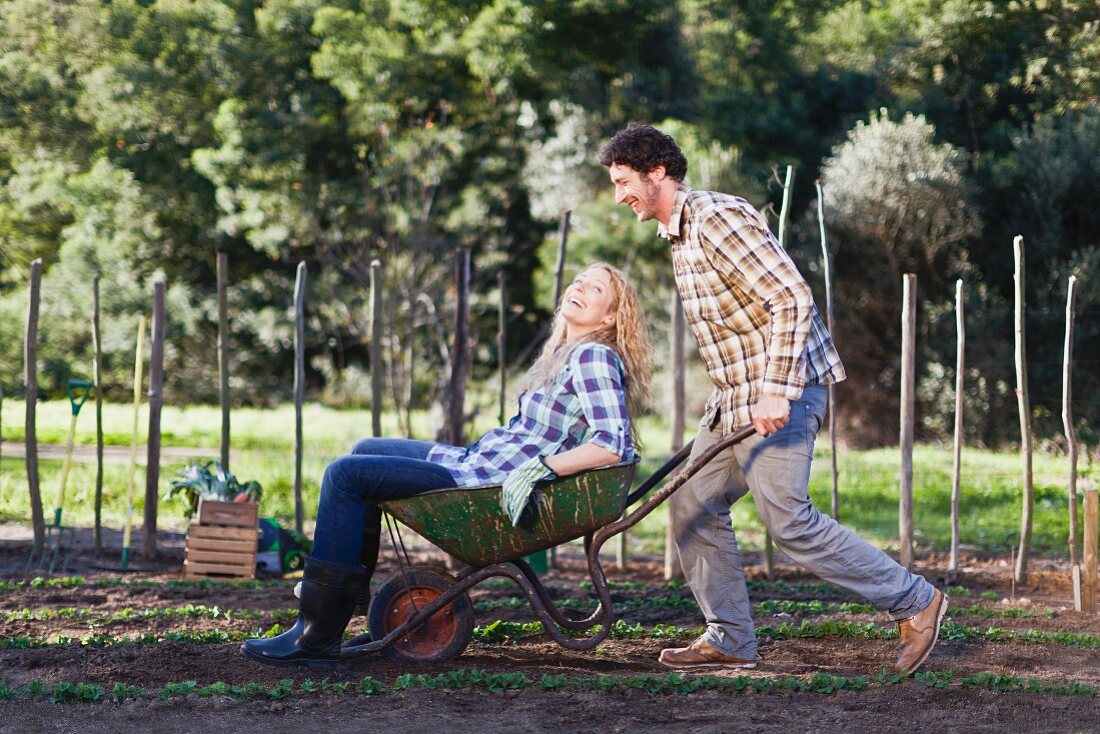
(574, 414)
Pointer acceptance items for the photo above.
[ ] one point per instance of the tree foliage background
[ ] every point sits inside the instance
(140, 137)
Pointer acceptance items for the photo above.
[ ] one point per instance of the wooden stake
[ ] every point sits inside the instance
(827, 260)
(30, 379)
(956, 479)
(97, 378)
(785, 208)
(131, 482)
(376, 358)
(784, 214)
(156, 402)
(223, 352)
(1067, 417)
(1075, 575)
(1088, 591)
(461, 347)
(672, 569)
(1012, 577)
(299, 389)
(559, 286)
(1025, 416)
(502, 326)
(908, 368)
(559, 268)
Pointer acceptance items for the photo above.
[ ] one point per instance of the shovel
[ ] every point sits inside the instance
(78, 392)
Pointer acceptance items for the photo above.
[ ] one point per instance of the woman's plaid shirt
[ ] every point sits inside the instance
(586, 403)
(751, 310)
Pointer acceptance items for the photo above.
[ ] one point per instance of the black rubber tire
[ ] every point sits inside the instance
(441, 638)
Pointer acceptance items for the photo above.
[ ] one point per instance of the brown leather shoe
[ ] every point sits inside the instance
(701, 654)
(919, 633)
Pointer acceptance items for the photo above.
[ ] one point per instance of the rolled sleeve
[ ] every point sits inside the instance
(600, 386)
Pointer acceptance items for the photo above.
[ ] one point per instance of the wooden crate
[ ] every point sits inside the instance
(221, 542)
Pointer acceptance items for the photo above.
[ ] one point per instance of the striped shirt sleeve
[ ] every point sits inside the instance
(600, 387)
(740, 246)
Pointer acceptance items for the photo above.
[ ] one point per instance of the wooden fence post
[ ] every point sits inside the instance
(376, 358)
(956, 478)
(461, 346)
(1067, 417)
(97, 377)
(784, 213)
(139, 362)
(299, 389)
(908, 367)
(502, 326)
(30, 379)
(785, 208)
(827, 261)
(559, 286)
(1089, 590)
(156, 402)
(1020, 574)
(223, 352)
(559, 268)
(673, 570)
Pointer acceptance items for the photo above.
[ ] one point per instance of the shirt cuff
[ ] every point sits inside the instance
(781, 390)
(616, 444)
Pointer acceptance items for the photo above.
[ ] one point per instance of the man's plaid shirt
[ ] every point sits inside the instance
(751, 310)
(586, 403)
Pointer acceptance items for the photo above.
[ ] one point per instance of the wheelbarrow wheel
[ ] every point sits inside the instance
(442, 637)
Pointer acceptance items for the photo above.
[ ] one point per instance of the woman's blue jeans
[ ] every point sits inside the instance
(376, 469)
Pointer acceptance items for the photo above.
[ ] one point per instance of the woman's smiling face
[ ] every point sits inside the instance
(588, 301)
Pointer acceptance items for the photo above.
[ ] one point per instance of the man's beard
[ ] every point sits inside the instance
(650, 196)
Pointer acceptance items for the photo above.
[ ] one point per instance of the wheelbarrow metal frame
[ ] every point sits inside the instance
(519, 571)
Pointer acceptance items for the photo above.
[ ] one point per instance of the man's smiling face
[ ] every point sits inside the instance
(637, 190)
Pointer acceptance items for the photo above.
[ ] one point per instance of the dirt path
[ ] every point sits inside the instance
(156, 604)
(889, 711)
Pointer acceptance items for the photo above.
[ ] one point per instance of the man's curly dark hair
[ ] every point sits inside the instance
(643, 148)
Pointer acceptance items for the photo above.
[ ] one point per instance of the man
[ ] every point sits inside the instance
(769, 356)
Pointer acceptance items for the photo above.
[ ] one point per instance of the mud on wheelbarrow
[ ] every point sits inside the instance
(425, 614)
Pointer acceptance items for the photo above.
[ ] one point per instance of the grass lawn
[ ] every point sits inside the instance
(263, 446)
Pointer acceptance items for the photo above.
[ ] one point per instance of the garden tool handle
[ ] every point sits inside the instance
(76, 400)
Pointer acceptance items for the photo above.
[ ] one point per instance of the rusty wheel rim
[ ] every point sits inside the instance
(429, 638)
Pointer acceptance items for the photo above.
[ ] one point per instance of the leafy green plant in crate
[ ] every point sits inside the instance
(210, 481)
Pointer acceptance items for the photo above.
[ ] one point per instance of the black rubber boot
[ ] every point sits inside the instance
(368, 557)
(329, 594)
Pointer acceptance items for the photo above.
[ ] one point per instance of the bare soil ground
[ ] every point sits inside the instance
(1044, 604)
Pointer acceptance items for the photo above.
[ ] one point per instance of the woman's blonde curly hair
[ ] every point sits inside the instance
(627, 335)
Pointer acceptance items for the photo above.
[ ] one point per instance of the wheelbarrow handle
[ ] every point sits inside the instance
(78, 391)
(630, 519)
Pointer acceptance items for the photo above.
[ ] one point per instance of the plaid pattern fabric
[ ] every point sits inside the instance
(586, 403)
(517, 487)
(752, 312)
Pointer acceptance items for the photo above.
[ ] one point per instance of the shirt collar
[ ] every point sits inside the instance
(679, 201)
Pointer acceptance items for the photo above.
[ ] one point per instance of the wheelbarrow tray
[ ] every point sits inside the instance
(469, 524)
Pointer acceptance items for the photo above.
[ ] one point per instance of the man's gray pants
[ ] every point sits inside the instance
(776, 469)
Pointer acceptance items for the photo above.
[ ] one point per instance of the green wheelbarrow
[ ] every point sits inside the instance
(425, 615)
